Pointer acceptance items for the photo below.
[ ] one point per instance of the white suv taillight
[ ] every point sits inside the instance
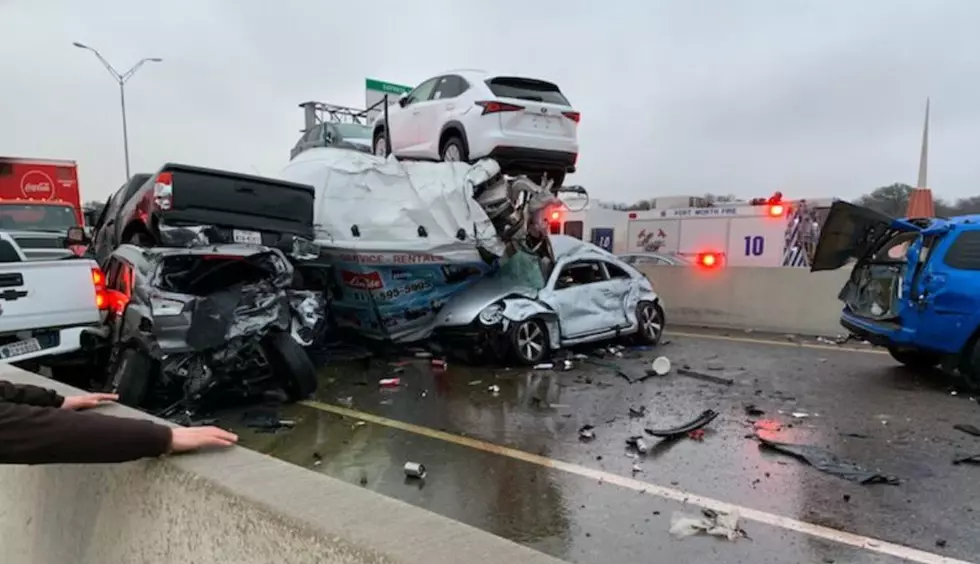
(163, 190)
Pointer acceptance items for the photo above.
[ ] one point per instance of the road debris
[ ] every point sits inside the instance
(423, 354)
(567, 364)
(828, 462)
(711, 522)
(494, 389)
(967, 459)
(715, 364)
(415, 470)
(696, 435)
(586, 433)
(707, 416)
(752, 411)
(660, 366)
(637, 443)
(706, 377)
(439, 364)
(266, 421)
(638, 411)
(544, 366)
(968, 429)
(390, 382)
(768, 425)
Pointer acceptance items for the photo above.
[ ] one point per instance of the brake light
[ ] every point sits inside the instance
(497, 107)
(98, 280)
(163, 190)
(574, 116)
(776, 210)
(708, 260)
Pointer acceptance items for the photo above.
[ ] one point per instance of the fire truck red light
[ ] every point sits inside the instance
(707, 259)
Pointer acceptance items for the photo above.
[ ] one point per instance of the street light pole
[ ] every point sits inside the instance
(121, 79)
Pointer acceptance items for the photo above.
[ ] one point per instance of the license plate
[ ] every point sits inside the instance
(247, 237)
(26, 346)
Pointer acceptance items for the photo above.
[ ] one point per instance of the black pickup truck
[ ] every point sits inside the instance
(184, 205)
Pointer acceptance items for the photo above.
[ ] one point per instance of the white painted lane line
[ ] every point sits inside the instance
(859, 541)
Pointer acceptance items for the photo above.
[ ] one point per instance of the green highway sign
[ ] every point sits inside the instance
(386, 87)
(376, 90)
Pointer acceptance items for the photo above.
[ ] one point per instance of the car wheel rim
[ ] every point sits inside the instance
(650, 320)
(380, 147)
(451, 154)
(530, 340)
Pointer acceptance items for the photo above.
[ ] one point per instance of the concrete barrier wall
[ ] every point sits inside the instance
(233, 506)
(790, 300)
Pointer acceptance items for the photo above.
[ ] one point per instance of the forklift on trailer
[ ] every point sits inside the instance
(765, 232)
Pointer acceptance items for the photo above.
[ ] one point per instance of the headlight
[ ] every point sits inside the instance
(492, 314)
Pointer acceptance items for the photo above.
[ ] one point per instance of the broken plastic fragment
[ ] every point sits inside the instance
(828, 462)
(707, 416)
(586, 433)
(389, 382)
(638, 443)
(714, 523)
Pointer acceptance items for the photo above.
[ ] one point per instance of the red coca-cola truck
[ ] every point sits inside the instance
(46, 185)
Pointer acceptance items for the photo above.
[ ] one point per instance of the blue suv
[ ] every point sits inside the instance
(914, 288)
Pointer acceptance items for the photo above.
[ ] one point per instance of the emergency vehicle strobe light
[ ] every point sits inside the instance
(708, 260)
(555, 215)
(776, 210)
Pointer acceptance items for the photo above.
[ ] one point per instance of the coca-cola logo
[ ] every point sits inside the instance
(362, 280)
(36, 185)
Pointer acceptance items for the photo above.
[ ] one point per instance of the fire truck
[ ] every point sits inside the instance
(761, 232)
(35, 193)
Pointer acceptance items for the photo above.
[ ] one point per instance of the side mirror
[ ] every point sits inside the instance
(76, 236)
(403, 100)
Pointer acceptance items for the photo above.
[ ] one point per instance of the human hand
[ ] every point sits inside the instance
(87, 401)
(186, 439)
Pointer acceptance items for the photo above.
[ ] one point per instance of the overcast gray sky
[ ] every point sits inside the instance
(814, 98)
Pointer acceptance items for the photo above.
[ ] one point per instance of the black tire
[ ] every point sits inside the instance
(460, 147)
(970, 365)
(651, 320)
(292, 367)
(918, 360)
(379, 137)
(532, 330)
(132, 376)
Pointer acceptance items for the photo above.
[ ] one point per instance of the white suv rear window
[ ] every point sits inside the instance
(527, 89)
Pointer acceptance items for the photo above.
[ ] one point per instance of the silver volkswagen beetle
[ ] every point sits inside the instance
(525, 311)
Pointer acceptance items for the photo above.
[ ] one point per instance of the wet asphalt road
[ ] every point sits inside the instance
(904, 422)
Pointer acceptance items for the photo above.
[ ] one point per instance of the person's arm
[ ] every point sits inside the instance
(29, 395)
(45, 435)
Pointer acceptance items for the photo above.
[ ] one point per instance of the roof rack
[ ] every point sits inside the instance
(315, 113)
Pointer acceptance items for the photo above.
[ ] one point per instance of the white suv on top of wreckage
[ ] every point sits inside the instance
(525, 124)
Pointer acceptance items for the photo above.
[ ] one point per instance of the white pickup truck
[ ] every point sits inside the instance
(48, 308)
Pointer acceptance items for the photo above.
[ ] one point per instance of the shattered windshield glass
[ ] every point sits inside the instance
(522, 269)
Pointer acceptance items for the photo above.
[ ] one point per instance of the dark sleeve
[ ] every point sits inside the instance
(29, 395)
(48, 435)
